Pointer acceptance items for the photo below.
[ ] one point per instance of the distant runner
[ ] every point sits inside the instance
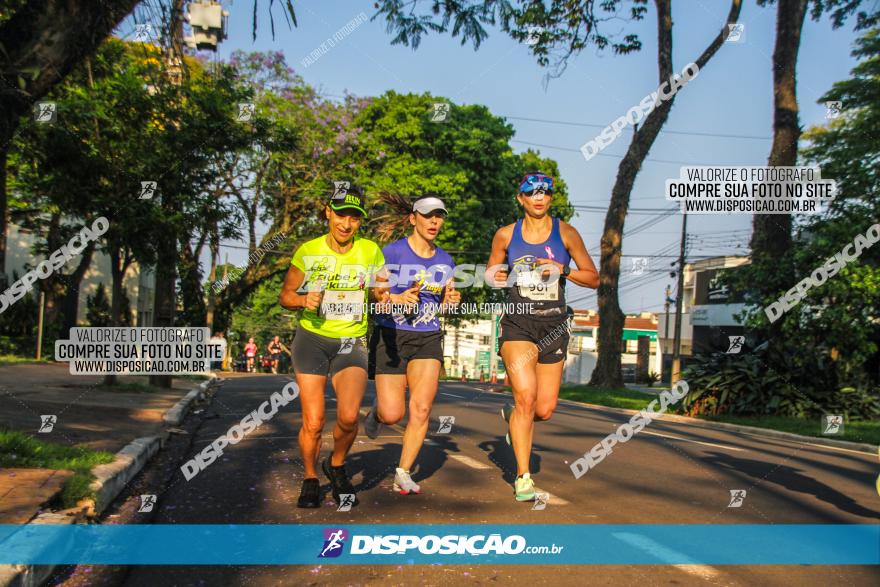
(329, 277)
(538, 248)
(407, 345)
(275, 349)
(250, 351)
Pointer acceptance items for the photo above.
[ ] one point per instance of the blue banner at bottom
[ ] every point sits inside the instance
(733, 544)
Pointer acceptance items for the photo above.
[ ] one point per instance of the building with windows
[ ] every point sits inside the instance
(139, 285)
(583, 350)
(708, 309)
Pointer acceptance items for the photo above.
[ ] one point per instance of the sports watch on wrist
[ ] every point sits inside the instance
(566, 271)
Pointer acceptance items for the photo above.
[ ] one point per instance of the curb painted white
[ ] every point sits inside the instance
(110, 480)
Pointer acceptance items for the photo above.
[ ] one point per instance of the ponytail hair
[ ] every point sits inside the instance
(395, 222)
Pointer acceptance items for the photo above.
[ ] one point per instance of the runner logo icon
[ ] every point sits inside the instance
(735, 344)
(446, 423)
(833, 424)
(47, 422)
(334, 540)
(737, 497)
(346, 500)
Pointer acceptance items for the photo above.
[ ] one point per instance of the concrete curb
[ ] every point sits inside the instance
(110, 480)
(34, 575)
(699, 423)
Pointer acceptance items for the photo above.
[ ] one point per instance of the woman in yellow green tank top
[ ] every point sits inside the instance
(329, 280)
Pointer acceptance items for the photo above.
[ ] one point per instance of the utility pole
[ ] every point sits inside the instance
(676, 344)
(493, 344)
(40, 324)
(164, 301)
(455, 352)
(666, 307)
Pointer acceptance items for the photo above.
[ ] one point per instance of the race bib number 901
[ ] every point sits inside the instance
(532, 286)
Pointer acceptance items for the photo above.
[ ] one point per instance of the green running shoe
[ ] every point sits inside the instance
(524, 488)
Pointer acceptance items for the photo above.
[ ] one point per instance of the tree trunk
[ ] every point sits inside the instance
(4, 153)
(117, 274)
(212, 276)
(607, 372)
(191, 287)
(70, 303)
(164, 303)
(771, 233)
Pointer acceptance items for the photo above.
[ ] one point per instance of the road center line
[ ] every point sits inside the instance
(470, 462)
(724, 446)
(668, 555)
(452, 394)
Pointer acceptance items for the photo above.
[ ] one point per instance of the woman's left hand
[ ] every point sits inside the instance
(547, 272)
(451, 296)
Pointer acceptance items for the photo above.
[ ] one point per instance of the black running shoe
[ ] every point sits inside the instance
(310, 494)
(339, 483)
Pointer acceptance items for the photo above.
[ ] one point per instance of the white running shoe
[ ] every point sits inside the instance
(403, 483)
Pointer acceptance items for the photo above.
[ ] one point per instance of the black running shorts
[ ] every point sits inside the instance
(550, 335)
(313, 354)
(391, 350)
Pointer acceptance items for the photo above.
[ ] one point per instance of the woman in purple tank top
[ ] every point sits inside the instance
(406, 347)
(538, 250)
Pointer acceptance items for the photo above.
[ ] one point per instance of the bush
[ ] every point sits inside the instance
(780, 382)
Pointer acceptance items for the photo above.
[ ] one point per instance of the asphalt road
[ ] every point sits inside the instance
(670, 473)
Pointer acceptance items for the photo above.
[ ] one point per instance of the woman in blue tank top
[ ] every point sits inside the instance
(538, 250)
(406, 347)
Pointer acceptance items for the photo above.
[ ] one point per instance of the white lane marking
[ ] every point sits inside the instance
(470, 462)
(858, 452)
(668, 555)
(452, 394)
(724, 446)
(552, 499)
(764, 437)
(596, 408)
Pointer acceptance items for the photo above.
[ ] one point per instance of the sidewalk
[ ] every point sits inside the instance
(655, 390)
(87, 414)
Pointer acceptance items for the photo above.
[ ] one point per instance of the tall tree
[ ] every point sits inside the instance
(41, 41)
(771, 233)
(556, 31)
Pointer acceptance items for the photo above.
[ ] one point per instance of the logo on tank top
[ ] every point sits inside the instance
(525, 263)
(421, 279)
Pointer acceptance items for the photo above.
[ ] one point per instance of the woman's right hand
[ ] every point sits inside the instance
(313, 300)
(501, 276)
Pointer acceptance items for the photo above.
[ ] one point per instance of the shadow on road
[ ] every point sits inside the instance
(501, 455)
(793, 480)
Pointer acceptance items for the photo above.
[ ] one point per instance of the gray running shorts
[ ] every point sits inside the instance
(313, 354)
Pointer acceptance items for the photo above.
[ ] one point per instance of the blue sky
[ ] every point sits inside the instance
(731, 96)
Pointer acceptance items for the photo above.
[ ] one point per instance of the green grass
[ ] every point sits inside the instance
(868, 432)
(19, 450)
(16, 359)
(614, 398)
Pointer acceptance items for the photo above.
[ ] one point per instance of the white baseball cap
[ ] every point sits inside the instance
(428, 204)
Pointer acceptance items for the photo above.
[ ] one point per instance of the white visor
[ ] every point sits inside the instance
(428, 205)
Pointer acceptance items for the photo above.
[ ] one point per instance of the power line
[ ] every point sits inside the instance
(671, 132)
(569, 149)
